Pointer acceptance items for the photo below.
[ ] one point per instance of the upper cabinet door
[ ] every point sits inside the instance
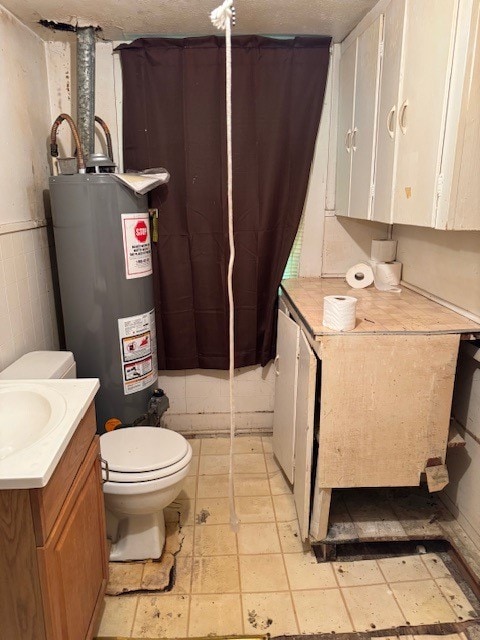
(285, 393)
(345, 128)
(459, 204)
(393, 29)
(421, 111)
(363, 136)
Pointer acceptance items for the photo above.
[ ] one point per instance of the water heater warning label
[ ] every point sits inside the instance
(136, 245)
(138, 347)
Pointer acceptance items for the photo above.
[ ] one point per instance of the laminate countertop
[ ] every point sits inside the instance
(378, 312)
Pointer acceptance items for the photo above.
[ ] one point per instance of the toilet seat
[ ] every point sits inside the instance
(143, 454)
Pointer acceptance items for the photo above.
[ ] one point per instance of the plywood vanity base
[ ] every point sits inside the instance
(385, 408)
(53, 556)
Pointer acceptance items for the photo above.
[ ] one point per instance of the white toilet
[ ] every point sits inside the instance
(144, 467)
(145, 473)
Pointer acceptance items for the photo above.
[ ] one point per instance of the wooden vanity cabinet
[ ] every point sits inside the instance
(53, 553)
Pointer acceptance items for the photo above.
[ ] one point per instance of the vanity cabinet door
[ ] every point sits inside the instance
(304, 425)
(73, 563)
(285, 393)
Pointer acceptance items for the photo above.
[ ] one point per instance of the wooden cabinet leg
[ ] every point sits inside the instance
(325, 552)
(320, 513)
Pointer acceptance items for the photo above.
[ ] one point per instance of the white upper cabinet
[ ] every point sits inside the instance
(358, 101)
(394, 19)
(427, 59)
(427, 133)
(345, 127)
(459, 199)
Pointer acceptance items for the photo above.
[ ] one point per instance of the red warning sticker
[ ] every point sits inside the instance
(136, 245)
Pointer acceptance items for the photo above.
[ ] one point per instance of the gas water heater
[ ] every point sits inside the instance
(102, 241)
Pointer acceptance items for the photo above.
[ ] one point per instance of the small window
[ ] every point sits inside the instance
(292, 270)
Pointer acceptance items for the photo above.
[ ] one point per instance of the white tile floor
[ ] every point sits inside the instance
(263, 579)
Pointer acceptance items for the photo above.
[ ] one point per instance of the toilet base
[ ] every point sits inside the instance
(139, 537)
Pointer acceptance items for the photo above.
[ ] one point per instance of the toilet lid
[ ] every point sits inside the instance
(114, 477)
(141, 449)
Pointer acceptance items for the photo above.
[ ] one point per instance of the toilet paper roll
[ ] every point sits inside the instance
(389, 273)
(360, 276)
(383, 250)
(339, 312)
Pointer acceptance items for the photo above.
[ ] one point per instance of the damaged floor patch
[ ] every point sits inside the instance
(257, 621)
(149, 575)
(203, 516)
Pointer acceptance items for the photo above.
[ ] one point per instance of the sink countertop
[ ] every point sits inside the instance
(32, 466)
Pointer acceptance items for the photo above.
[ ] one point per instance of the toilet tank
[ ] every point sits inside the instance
(41, 365)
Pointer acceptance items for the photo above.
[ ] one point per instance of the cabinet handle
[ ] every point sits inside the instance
(390, 122)
(348, 140)
(402, 117)
(275, 364)
(354, 139)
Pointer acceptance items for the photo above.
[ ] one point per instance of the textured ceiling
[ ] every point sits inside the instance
(126, 19)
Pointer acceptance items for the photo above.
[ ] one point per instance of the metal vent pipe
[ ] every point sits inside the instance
(86, 88)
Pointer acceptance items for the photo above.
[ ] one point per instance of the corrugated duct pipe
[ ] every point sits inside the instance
(86, 88)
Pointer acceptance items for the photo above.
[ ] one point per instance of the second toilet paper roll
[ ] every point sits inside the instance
(388, 273)
(339, 312)
(359, 276)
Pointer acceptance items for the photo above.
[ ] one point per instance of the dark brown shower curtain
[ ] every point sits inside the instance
(174, 116)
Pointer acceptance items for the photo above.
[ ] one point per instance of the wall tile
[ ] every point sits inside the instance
(200, 399)
(27, 312)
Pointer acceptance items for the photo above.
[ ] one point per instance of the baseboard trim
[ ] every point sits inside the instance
(460, 518)
(208, 424)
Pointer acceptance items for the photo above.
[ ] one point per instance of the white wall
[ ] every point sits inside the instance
(444, 263)
(199, 400)
(25, 116)
(348, 241)
(27, 309)
(464, 464)
(447, 265)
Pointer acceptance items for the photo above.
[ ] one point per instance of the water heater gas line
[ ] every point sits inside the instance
(223, 17)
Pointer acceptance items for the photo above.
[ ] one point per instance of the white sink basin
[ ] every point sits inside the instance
(28, 412)
(37, 421)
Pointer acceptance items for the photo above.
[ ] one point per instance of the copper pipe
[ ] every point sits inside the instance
(108, 136)
(76, 137)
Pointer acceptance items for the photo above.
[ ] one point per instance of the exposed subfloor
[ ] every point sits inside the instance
(263, 579)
